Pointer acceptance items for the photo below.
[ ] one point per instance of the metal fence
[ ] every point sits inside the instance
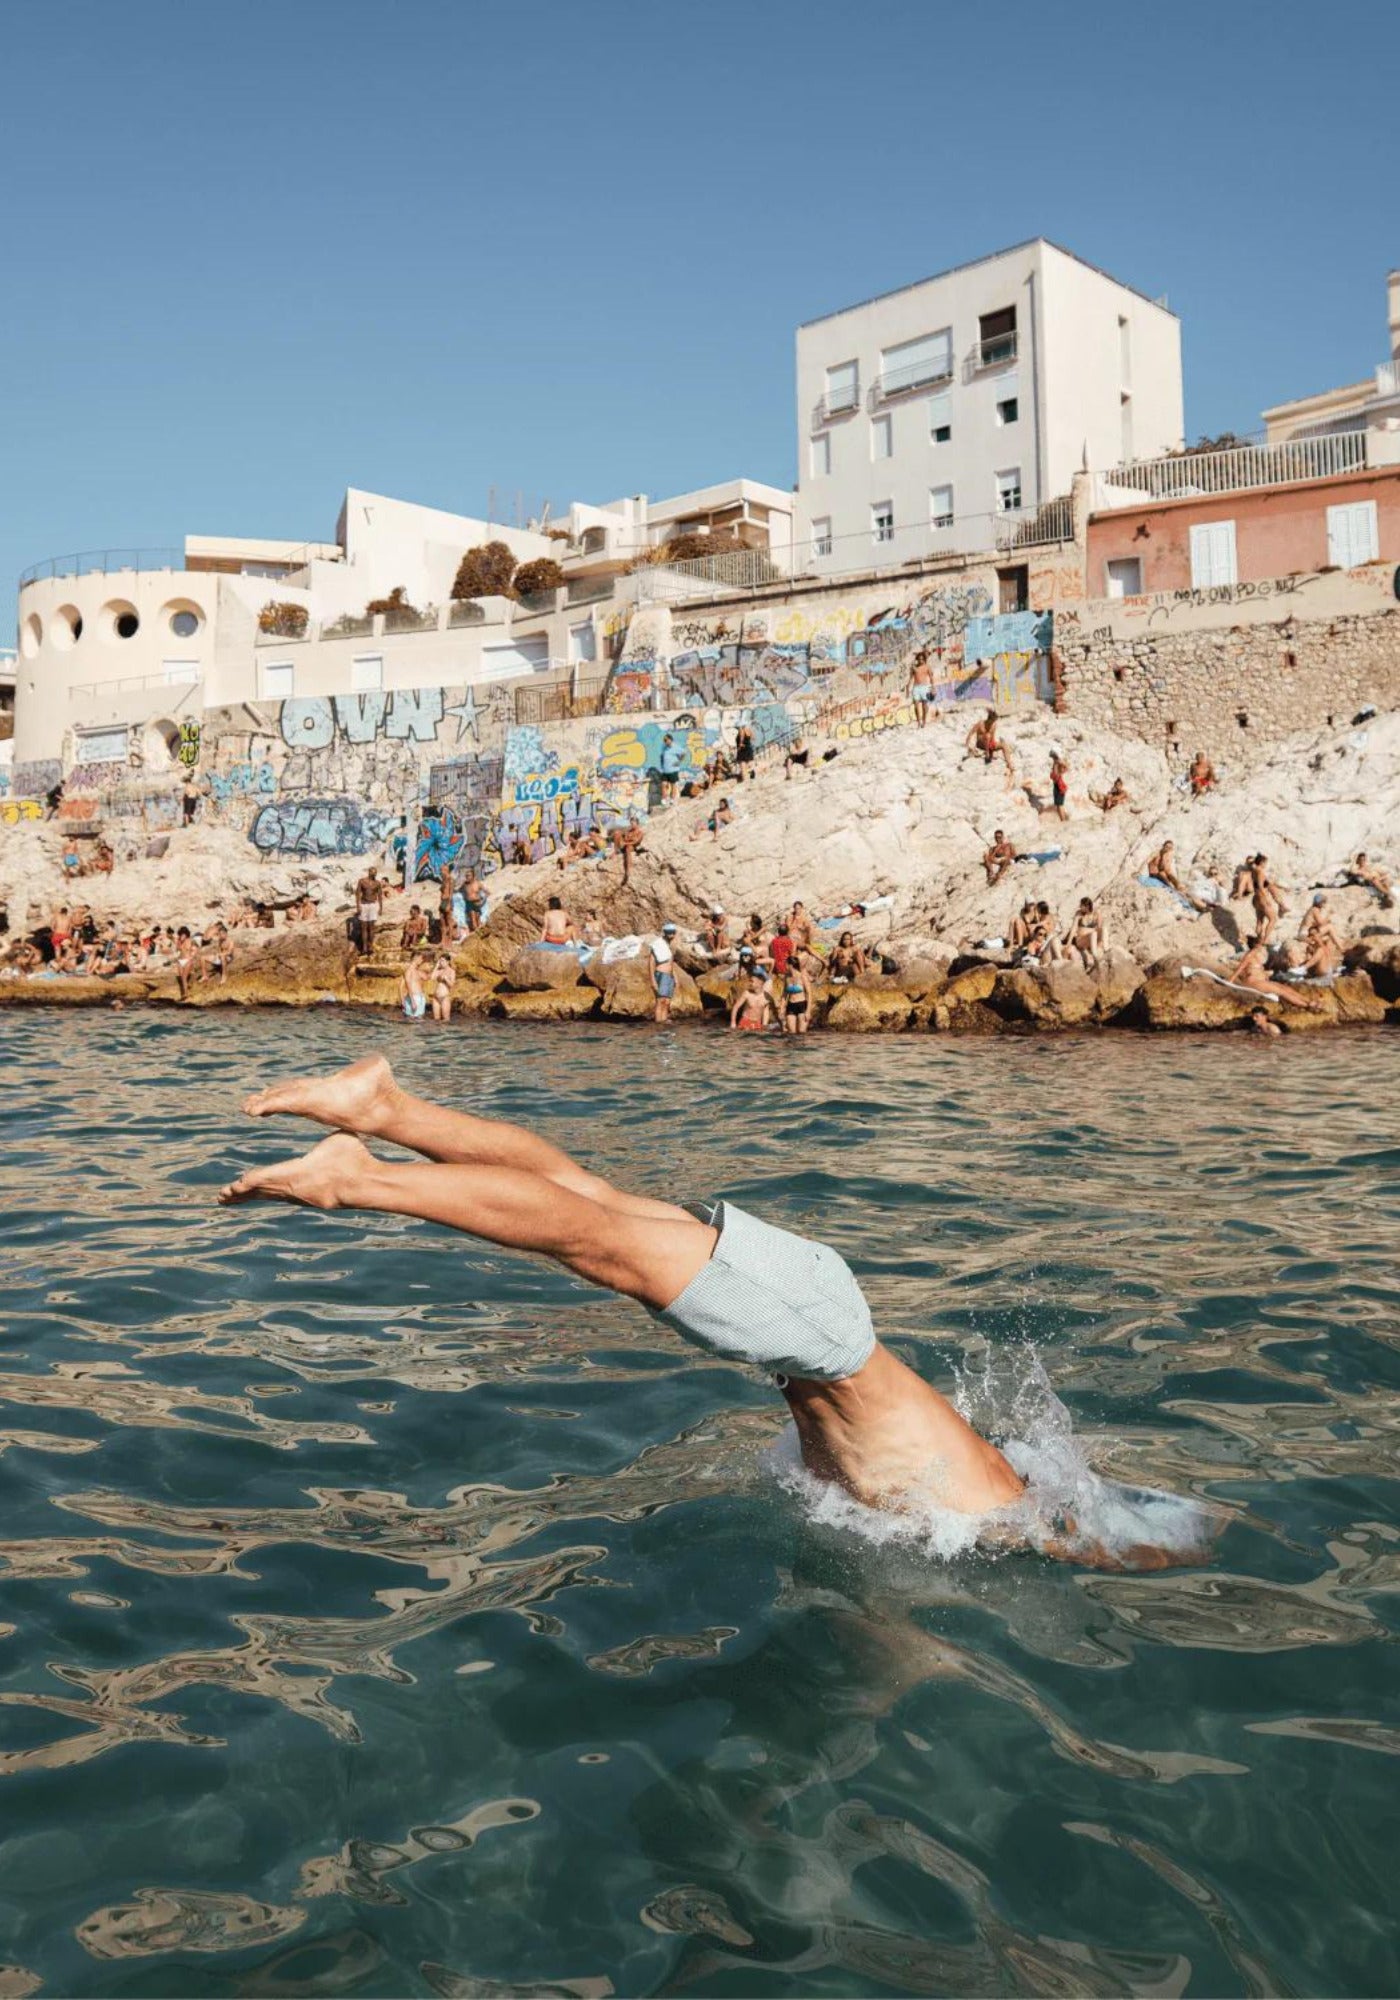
(1191, 475)
(831, 557)
(103, 562)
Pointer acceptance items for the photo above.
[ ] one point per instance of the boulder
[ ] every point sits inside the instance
(628, 996)
(1350, 1001)
(863, 1010)
(486, 955)
(535, 970)
(1062, 996)
(575, 1003)
(718, 991)
(300, 967)
(1166, 1000)
(1380, 961)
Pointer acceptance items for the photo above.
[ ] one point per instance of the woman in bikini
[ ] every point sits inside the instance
(444, 979)
(797, 998)
(847, 962)
(1085, 937)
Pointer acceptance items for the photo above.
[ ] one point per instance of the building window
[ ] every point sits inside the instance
(101, 746)
(881, 437)
(940, 417)
(1352, 536)
(842, 387)
(940, 507)
(278, 680)
(821, 454)
(1008, 409)
(1213, 554)
(594, 541)
(366, 672)
(916, 362)
(821, 535)
(583, 643)
(1014, 588)
(1123, 576)
(1009, 490)
(1125, 427)
(1125, 352)
(996, 337)
(184, 623)
(882, 520)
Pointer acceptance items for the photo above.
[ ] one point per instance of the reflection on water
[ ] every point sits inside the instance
(385, 1614)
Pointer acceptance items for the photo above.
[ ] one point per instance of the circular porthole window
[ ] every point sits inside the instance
(67, 626)
(120, 619)
(184, 622)
(31, 635)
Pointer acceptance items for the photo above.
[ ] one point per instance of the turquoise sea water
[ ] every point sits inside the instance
(383, 1614)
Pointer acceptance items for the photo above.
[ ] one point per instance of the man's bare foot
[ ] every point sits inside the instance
(317, 1179)
(355, 1099)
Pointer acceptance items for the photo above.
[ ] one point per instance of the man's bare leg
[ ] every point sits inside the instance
(365, 1099)
(883, 1433)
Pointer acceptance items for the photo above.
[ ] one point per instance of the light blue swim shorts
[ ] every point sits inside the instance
(777, 1301)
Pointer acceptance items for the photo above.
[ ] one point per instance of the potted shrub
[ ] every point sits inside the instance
(485, 571)
(284, 620)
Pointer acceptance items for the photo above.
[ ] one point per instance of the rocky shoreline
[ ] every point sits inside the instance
(503, 975)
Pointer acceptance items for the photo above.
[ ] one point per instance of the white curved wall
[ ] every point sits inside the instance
(56, 658)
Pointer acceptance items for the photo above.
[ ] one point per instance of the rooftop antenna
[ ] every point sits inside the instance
(490, 506)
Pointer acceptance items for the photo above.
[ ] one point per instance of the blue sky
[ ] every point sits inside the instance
(258, 253)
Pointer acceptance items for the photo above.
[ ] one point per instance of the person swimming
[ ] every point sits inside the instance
(723, 1279)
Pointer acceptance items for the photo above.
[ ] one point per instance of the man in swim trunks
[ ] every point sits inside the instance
(1201, 776)
(745, 753)
(628, 841)
(369, 900)
(998, 858)
(753, 1010)
(736, 1286)
(473, 894)
(984, 742)
(413, 997)
(921, 686)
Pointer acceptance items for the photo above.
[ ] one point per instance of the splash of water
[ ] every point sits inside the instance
(1067, 1509)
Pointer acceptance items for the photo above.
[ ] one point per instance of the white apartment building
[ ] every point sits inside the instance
(119, 648)
(1372, 404)
(934, 419)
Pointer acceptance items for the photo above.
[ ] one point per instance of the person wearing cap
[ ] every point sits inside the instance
(661, 964)
(715, 935)
(1059, 781)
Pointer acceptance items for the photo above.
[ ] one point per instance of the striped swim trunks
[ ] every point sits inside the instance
(777, 1301)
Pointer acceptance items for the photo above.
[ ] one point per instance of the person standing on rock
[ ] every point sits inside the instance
(670, 761)
(661, 965)
(628, 841)
(921, 686)
(447, 889)
(1059, 783)
(745, 753)
(473, 894)
(369, 902)
(189, 800)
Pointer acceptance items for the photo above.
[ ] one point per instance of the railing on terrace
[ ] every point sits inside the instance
(919, 375)
(538, 601)
(179, 690)
(465, 611)
(993, 353)
(588, 589)
(103, 562)
(991, 536)
(1191, 475)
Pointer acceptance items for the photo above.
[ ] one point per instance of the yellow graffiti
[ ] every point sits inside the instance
(1013, 680)
(874, 723)
(623, 748)
(12, 811)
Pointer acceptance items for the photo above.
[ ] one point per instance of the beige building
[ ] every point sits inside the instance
(1371, 404)
(118, 650)
(943, 416)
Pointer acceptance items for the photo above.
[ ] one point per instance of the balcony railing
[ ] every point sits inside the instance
(588, 589)
(103, 562)
(1053, 522)
(993, 353)
(839, 403)
(919, 375)
(538, 602)
(350, 625)
(465, 611)
(1190, 475)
